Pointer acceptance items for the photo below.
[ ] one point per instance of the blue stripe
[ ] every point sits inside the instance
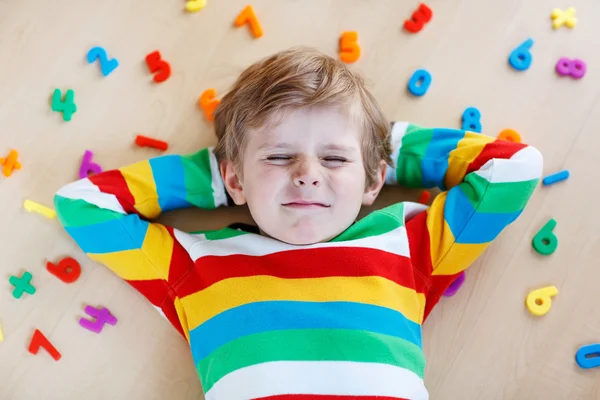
(435, 159)
(268, 316)
(106, 237)
(470, 227)
(484, 227)
(169, 176)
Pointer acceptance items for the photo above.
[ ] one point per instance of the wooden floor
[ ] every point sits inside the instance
(480, 344)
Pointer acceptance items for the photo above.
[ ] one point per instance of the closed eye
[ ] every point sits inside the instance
(278, 157)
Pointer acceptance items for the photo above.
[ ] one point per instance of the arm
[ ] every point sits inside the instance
(486, 184)
(107, 215)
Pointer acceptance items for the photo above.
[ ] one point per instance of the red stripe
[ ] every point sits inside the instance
(298, 264)
(168, 307)
(113, 182)
(155, 290)
(159, 294)
(420, 255)
(325, 397)
(418, 239)
(496, 149)
(180, 260)
(439, 284)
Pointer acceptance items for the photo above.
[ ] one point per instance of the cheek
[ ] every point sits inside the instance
(262, 183)
(350, 182)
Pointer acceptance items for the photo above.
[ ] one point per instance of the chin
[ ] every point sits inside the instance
(302, 237)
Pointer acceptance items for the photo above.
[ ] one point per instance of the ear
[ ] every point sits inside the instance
(233, 185)
(372, 191)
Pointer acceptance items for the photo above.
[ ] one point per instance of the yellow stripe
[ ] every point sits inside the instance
(182, 318)
(440, 235)
(128, 264)
(135, 264)
(158, 247)
(459, 258)
(467, 150)
(234, 292)
(140, 181)
(447, 257)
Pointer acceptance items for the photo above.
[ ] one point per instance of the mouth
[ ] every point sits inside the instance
(305, 204)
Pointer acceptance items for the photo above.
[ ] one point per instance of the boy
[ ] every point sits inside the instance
(316, 305)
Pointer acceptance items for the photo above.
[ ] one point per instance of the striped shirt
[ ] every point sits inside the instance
(334, 320)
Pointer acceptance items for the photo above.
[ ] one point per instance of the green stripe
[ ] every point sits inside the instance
(502, 197)
(310, 345)
(377, 223)
(81, 213)
(414, 146)
(198, 179)
(224, 233)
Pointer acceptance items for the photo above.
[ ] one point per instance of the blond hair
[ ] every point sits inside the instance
(297, 78)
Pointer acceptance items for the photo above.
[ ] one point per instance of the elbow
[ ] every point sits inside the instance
(536, 161)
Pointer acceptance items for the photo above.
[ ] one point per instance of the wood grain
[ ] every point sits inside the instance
(480, 344)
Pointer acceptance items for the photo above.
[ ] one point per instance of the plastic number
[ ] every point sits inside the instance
(247, 16)
(159, 67)
(520, 58)
(471, 120)
(87, 166)
(510, 135)
(419, 18)
(539, 301)
(195, 5)
(588, 356)
(349, 48)
(419, 82)
(545, 241)
(574, 68)
(68, 269)
(454, 286)
(67, 107)
(208, 103)
(107, 66)
(39, 340)
(102, 316)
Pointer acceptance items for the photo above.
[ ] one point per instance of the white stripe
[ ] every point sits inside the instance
(218, 186)
(188, 240)
(84, 189)
(525, 165)
(320, 378)
(395, 241)
(411, 209)
(398, 131)
(160, 311)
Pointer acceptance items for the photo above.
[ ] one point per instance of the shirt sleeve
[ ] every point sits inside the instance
(485, 185)
(108, 215)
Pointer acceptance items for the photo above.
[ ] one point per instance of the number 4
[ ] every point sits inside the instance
(67, 107)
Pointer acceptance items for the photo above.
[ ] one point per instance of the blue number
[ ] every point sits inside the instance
(471, 120)
(588, 356)
(419, 82)
(106, 65)
(520, 58)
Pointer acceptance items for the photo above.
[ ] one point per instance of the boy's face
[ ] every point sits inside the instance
(303, 178)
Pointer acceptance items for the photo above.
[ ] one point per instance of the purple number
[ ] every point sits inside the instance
(574, 68)
(577, 69)
(87, 166)
(453, 288)
(102, 315)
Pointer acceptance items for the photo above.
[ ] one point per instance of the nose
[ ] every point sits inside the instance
(306, 174)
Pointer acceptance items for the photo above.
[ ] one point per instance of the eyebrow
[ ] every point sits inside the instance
(285, 145)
